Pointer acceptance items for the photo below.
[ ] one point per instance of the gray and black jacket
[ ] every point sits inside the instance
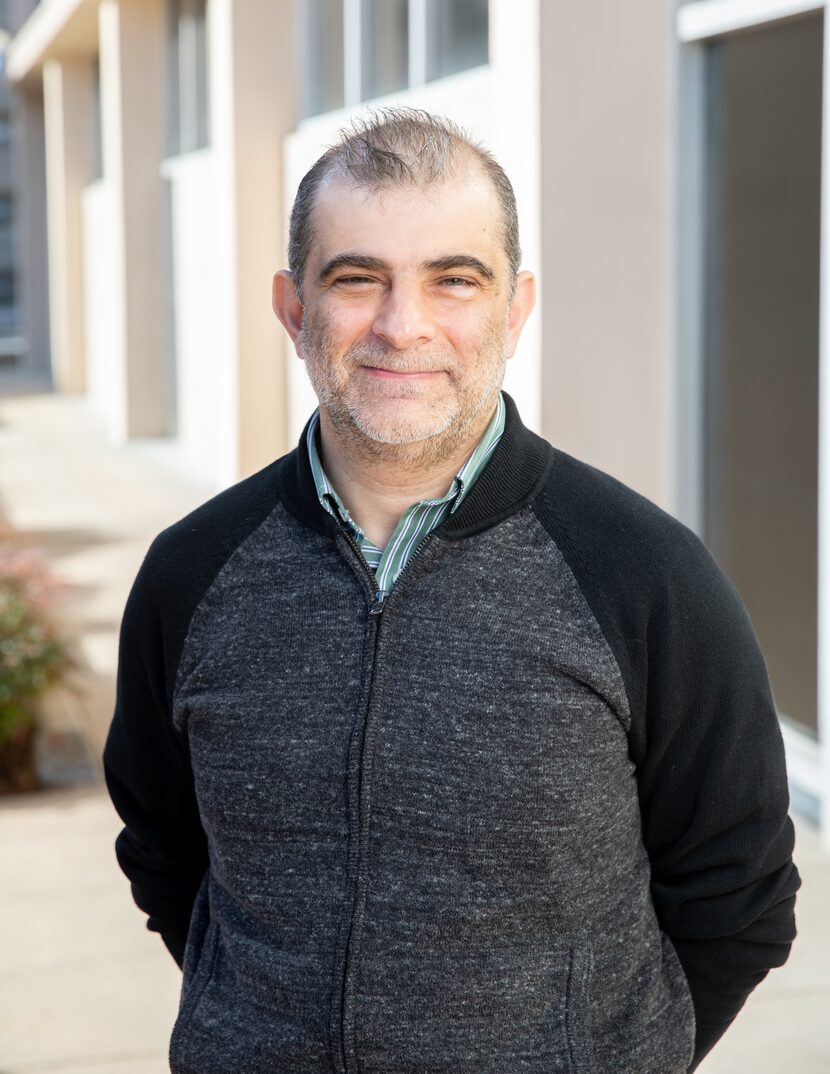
(530, 817)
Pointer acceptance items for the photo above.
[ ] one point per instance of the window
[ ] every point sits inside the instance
(187, 67)
(384, 41)
(6, 211)
(456, 36)
(6, 289)
(355, 50)
(321, 47)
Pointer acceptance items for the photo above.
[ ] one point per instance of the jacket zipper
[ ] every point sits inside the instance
(369, 733)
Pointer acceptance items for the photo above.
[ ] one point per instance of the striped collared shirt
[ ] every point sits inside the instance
(418, 520)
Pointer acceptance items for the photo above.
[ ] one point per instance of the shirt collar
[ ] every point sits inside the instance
(461, 483)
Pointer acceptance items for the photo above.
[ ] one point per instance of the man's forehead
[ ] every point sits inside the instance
(405, 219)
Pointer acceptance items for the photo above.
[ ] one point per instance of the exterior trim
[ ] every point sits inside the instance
(715, 18)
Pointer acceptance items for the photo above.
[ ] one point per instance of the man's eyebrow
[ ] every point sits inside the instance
(459, 261)
(356, 261)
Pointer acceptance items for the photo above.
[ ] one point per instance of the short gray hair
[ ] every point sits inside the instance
(393, 147)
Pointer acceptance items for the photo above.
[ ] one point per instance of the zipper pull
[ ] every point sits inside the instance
(377, 603)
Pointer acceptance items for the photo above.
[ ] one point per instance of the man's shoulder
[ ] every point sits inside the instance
(588, 499)
(183, 561)
(192, 549)
(613, 531)
(661, 600)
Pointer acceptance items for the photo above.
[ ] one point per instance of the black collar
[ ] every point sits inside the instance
(514, 474)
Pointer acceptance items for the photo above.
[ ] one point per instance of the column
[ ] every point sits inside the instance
(132, 59)
(606, 214)
(252, 104)
(68, 101)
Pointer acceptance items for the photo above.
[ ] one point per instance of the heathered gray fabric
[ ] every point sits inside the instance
(425, 846)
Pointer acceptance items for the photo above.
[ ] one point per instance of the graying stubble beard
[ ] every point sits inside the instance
(414, 453)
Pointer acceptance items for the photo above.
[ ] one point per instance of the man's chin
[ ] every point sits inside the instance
(401, 428)
(400, 435)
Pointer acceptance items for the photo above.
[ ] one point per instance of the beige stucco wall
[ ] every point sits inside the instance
(605, 155)
(68, 88)
(252, 107)
(131, 40)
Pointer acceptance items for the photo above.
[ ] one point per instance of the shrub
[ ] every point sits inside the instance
(33, 655)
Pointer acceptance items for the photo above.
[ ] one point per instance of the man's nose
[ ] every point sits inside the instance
(403, 318)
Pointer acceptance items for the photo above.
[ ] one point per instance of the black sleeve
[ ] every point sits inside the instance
(162, 848)
(713, 791)
(704, 736)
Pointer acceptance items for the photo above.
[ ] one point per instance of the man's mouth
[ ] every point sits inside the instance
(400, 374)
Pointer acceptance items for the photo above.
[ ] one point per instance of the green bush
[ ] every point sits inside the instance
(33, 656)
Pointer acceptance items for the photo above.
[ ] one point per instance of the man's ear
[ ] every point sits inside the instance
(520, 308)
(287, 305)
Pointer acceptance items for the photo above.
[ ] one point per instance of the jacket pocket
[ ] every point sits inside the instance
(196, 933)
(481, 1010)
(203, 966)
(680, 1007)
(577, 1011)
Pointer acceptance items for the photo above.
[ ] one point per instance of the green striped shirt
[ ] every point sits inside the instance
(418, 520)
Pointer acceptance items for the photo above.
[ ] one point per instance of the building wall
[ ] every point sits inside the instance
(606, 138)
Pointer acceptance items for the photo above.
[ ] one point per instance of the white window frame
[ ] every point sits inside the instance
(697, 24)
(352, 52)
(417, 43)
(708, 19)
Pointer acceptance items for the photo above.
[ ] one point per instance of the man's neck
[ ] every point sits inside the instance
(378, 482)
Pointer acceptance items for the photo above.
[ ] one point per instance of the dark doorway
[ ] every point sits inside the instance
(761, 374)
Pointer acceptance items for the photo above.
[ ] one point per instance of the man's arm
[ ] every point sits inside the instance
(704, 735)
(162, 848)
(713, 792)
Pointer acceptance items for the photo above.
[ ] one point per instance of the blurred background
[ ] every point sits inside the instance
(670, 165)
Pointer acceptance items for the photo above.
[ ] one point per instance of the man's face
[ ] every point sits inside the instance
(407, 320)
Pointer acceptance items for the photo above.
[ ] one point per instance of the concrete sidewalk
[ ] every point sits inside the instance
(83, 987)
(91, 509)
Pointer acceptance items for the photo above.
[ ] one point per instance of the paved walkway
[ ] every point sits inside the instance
(83, 986)
(84, 989)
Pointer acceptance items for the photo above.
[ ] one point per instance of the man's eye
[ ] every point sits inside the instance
(459, 282)
(353, 281)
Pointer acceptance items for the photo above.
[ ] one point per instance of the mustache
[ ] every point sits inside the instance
(423, 360)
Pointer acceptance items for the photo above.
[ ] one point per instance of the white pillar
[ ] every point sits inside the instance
(252, 107)
(131, 41)
(68, 103)
(515, 59)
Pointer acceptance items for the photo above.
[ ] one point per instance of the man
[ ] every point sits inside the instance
(438, 750)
